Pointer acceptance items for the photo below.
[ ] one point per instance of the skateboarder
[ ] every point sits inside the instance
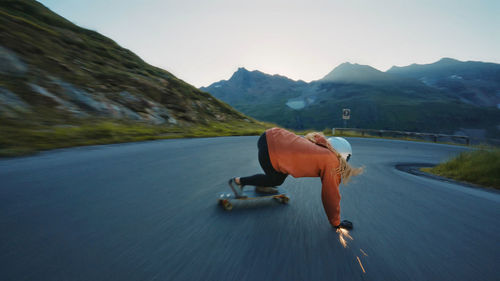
(282, 153)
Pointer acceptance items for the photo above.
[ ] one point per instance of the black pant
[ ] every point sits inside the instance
(272, 177)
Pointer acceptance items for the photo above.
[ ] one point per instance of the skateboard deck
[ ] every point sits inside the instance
(225, 198)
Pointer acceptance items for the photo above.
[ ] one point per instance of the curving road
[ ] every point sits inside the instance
(147, 211)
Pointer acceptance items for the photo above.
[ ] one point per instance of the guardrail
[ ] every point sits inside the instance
(415, 135)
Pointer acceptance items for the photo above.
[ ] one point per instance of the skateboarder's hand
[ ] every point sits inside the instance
(345, 224)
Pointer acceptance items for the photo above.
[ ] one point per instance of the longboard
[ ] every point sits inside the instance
(225, 198)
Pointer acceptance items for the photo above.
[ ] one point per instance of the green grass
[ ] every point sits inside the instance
(23, 140)
(480, 167)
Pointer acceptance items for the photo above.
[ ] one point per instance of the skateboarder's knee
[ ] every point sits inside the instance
(277, 181)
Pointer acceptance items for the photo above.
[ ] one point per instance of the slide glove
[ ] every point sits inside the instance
(345, 224)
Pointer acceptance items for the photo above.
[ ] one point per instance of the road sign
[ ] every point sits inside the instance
(346, 113)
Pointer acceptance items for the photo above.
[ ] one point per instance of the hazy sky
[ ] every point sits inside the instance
(203, 42)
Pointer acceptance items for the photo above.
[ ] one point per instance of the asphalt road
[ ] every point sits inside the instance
(147, 211)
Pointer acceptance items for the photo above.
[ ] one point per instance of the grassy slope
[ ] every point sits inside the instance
(480, 167)
(55, 47)
(51, 46)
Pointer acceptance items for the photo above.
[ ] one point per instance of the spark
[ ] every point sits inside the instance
(342, 234)
(345, 232)
(342, 241)
(366, 255)
(360, 264)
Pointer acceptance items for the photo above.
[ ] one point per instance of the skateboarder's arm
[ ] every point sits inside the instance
(330, 196)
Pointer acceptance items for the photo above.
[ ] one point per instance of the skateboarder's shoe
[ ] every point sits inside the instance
(266, 189)
(237, 188)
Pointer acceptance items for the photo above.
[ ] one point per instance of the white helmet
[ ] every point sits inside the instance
(342, 146)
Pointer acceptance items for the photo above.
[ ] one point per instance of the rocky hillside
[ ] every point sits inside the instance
(399, 99)
(54, 72)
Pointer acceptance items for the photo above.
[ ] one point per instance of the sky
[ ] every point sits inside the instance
(202, 42)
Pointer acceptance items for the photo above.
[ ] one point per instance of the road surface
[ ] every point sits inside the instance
(147, 211)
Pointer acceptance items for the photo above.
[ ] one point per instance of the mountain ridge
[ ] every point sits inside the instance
(473, 82)
(381, 100)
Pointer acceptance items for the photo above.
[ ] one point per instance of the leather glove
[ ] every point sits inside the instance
(345, 224)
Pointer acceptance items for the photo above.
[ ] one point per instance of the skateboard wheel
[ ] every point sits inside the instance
(282, 199)
(226, 205)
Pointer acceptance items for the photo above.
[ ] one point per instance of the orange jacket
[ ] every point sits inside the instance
(299, 157)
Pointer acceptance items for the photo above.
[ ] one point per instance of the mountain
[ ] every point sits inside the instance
(378, 100)
(253, 86)
(254, 92)
(53, 72)
(356, 73)
(472, 82)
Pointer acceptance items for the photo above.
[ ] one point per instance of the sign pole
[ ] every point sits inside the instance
(346, 115)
